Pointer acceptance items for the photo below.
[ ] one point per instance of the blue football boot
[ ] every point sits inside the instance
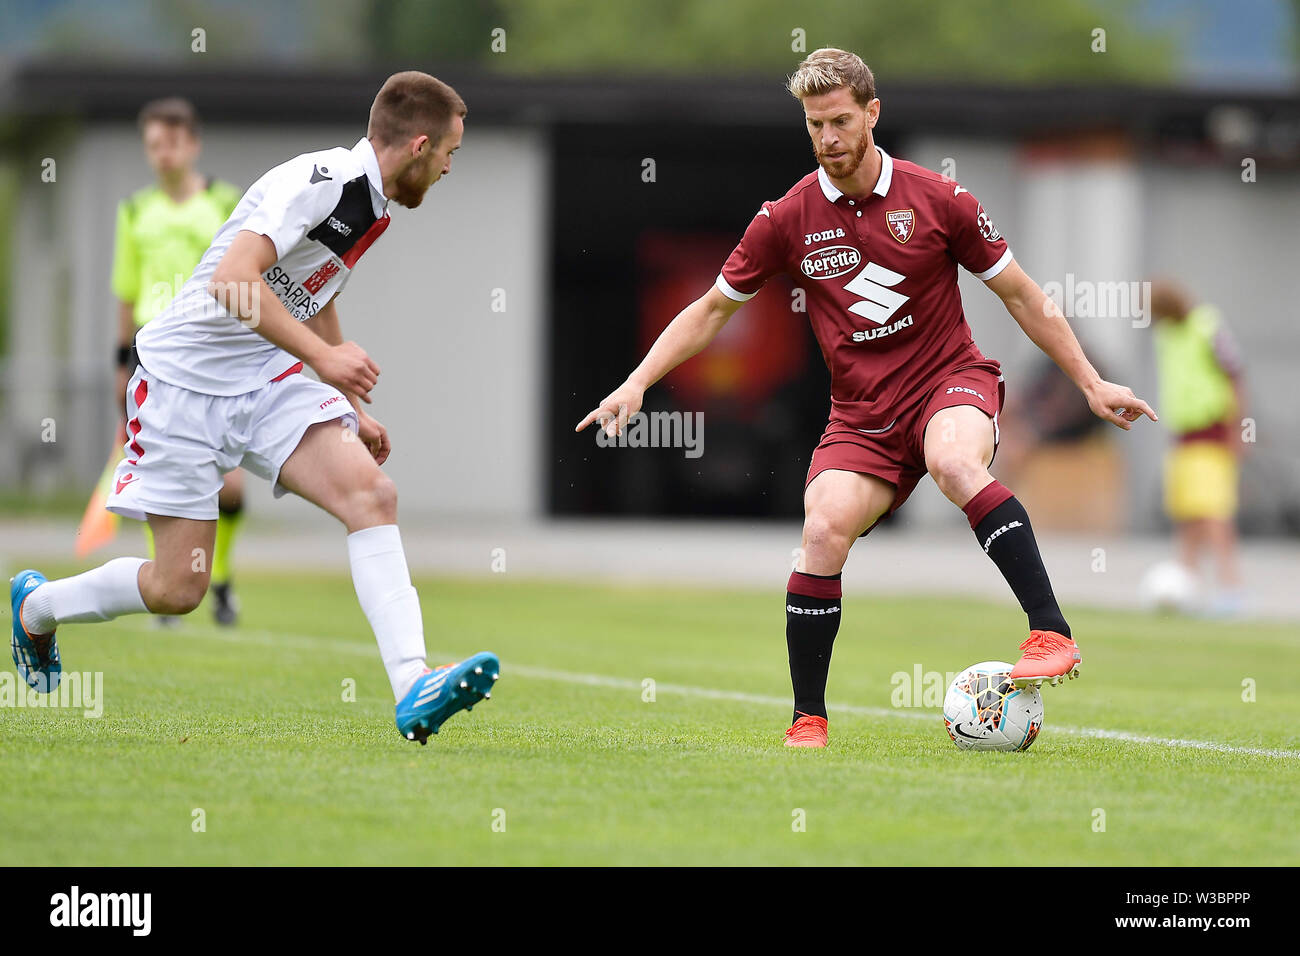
(438, 694)
(37, 658)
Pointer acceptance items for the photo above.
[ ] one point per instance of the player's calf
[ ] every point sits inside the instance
(173, 590)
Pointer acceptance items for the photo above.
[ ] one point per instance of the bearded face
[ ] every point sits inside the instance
(839, 128)
(841, 160)
(428, 166)
(415, 180)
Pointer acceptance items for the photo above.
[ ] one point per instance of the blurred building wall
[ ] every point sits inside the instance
(466, 390)
(459, 382)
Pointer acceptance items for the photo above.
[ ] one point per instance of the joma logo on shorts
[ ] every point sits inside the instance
(968, 391)
(1001, 531)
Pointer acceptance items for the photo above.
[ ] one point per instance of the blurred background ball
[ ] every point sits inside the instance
(1168, 587)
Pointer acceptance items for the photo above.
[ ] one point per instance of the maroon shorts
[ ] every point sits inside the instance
(896, 452)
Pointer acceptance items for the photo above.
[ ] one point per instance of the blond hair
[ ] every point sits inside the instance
(829, 69)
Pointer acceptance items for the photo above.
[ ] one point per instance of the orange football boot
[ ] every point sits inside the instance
(807, 731)
(1048, 656)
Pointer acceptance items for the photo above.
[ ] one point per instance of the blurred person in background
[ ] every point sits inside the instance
(162, 232)
(1200, 372)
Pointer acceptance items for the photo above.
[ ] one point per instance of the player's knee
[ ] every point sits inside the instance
(825, 539)
(179, 594)
(377, 499)
(954, 472)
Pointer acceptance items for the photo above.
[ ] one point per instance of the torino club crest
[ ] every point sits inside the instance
(902, 223)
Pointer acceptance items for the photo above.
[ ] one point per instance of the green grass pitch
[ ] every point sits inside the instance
(568, 764)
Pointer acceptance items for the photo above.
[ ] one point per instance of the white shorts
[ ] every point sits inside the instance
(180, 443)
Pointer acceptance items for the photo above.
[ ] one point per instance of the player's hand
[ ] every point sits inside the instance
(374, 436)
(615, 409)
(1118, 405)
(348, 368)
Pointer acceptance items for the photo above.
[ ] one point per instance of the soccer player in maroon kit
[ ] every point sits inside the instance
(876, 242)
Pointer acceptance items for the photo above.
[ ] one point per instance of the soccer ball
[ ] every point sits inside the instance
(1168, 586)
(983, 710)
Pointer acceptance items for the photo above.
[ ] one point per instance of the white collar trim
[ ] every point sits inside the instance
(831, 193)
(365, 152)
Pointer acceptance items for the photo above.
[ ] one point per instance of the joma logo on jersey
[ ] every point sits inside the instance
(830, 262)
(823, 236)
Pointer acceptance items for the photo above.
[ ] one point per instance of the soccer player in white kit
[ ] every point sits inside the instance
(220, 387)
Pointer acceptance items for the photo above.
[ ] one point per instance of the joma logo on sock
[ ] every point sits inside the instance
(1001, 531)
(102, 909)
(812, 610)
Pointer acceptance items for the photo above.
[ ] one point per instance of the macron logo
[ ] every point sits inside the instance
(340, 227)
(102, 909)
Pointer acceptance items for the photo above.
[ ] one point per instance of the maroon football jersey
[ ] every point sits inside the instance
(880, 280)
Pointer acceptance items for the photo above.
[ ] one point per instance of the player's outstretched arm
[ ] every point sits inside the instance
(237, 284)
(693, 328)
(1047, 328)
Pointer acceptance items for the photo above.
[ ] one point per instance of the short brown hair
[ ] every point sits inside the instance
(411, 104)
(1169, 299)
(828, 69)
(173, 111)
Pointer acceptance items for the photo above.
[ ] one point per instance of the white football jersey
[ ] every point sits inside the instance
(322, 210)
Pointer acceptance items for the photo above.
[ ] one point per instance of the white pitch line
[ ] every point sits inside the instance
(306, 642)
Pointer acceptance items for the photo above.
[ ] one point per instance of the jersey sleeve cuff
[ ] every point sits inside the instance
(726, 289)
(997, 267)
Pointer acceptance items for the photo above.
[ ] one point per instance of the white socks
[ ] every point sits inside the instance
(379, 573)
(108, 591)
(390, 603)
